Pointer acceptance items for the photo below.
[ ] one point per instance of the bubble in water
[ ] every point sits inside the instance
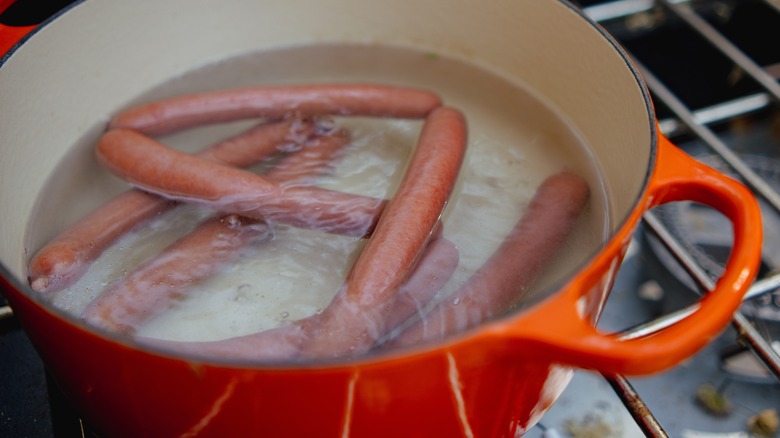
(242, 291)
(289, 147)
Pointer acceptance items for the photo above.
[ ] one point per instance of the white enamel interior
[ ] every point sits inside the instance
(100, 55)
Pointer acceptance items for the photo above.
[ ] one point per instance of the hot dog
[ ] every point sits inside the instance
(436, 267)
(355, 318)
(414, 214)
(283, 343)
(150, 289)
(515, 265)
(179, 176)
(64, 260)
(274, 345)
(160, 282)
(275, 102)
(315, 159)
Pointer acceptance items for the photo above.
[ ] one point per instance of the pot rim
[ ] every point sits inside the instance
(461, 338)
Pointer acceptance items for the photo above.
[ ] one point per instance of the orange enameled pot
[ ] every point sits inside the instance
(63, 82)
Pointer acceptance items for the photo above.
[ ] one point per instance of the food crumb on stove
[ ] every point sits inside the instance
(589, 427)
(764, 424)
(713, 401)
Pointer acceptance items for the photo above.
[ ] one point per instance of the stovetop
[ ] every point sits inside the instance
(716, 91)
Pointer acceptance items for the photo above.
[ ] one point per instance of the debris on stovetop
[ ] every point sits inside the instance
(712, 400)
(591, 426)
(764, 424)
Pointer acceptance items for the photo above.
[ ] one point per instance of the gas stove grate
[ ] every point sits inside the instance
(624, 19)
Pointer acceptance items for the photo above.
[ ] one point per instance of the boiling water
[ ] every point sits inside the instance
(515, 142)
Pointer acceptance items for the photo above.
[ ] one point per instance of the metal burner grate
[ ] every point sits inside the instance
(751, 90)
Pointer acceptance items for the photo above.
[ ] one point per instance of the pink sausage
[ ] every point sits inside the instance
(262, 141)
(164, 279)
(275, 102)
(64, 260)
(516, 264)
(284, 343)
(355, 318)
(182, 177)
(275, 345)
(159, 283)
(315, 159)
(436, 267)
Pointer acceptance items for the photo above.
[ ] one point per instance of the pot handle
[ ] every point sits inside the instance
(560, 327)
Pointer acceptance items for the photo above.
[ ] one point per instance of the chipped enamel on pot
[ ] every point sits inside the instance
(64, 82)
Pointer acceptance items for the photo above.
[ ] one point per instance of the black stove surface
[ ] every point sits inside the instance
(24, 401)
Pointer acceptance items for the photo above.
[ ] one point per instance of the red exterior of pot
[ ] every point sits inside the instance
(464, 389)
(494, 381)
